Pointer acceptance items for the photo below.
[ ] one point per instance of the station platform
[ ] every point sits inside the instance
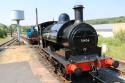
(17, 73)
(20, 64)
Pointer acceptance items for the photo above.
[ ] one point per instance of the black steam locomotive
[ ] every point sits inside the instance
(78, 41)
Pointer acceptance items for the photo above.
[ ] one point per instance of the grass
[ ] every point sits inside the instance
(117, 52)
(116, 47)
(3, 40)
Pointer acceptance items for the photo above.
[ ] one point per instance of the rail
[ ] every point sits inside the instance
(8, 42)
(120, 70)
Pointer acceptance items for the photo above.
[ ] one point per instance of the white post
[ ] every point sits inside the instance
(104, 49)
(18, 31)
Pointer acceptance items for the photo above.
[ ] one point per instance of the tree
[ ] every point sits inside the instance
(3, 30)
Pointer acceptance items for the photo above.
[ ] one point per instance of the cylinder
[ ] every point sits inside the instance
(78, 9)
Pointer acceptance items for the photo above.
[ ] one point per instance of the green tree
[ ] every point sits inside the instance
(3, 30)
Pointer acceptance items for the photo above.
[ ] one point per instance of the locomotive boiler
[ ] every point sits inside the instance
(78, 40)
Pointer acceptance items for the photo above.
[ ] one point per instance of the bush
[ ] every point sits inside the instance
(116, 45)
(109, 41)
(120, 36)
(3, 33)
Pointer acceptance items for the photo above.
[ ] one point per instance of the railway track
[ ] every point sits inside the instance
(121, 69)
(83, 79)
(49, 66)
(92, 78)
(8, 43)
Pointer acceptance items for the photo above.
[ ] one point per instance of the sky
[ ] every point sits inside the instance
(49, 9)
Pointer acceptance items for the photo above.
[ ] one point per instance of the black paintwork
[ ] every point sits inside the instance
(79, 37)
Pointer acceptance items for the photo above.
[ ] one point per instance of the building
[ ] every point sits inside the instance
(109, 30)
(105, 30)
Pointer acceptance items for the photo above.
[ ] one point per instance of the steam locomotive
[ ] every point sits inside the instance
(72, 45)
(32, 35)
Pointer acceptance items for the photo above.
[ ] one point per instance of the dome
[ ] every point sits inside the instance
(64, 17)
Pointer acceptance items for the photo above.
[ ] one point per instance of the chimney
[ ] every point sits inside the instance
(78, 9)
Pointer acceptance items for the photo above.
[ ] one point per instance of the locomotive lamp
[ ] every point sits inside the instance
(17, 15)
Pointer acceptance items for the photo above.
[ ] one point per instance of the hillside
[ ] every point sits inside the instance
(120, 19)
